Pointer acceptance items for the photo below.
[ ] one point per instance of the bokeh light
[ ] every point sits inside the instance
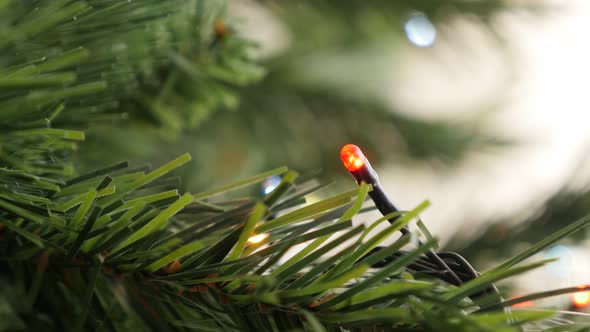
(270, 183)
(256, 239)
(581, 299)
(419, 30)
(564, 265)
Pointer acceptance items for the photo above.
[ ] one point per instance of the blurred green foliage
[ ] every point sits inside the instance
(321, 91)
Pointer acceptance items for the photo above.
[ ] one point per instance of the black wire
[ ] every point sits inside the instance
(466, 267)
(386, 206)
(460, 267)
(428, 265)
(432, 264)
(422, 265)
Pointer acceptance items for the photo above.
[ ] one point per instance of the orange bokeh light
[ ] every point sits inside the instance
(524, 304)
(352, 157)
(581, 299)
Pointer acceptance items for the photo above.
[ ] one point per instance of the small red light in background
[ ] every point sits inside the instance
(524, 304)
(581, 299)
(352, 157)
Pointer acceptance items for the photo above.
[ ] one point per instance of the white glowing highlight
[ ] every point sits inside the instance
(271, 183)
(419, 30)
(565, 264)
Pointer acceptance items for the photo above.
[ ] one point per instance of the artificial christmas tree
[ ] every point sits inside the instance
(124, 248)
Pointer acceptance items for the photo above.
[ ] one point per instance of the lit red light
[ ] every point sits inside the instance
(352, 157)
(581, 299)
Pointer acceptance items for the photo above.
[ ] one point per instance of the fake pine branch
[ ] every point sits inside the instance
(125, 253)
(123, 248)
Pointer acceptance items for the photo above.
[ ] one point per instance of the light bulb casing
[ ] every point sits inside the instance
(358, 165)
(352, 157)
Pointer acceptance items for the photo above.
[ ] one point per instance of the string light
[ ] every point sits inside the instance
(220, 28)
(359, 167)
(419, 30)
(267, 186)
(581, 299)
(270, 183)
(564, 267)
(352, 157)
(525, 304)
(256, 239)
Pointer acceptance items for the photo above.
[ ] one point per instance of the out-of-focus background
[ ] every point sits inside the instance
(514, 79)
(478, 106)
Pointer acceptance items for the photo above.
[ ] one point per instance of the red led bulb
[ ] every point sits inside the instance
(352, 157)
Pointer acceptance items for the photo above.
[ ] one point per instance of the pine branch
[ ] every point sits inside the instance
(123, 248)
(104, 58)
(162, 261)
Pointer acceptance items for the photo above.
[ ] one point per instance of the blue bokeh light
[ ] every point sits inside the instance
(563, 267)
(419, 30)
(270, 183)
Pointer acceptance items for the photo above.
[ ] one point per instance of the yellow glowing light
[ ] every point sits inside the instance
(357, 163)
(255, 239)
(581, 299)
